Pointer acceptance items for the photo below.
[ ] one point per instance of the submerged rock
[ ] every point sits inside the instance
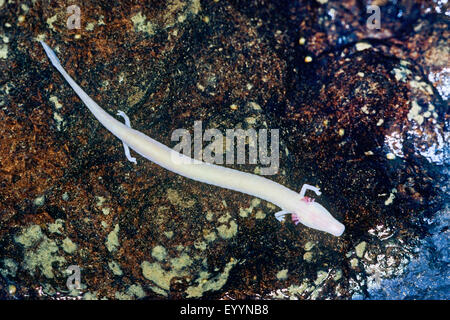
(358, 118)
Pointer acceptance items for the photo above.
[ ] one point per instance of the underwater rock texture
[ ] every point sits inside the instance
(363, 114)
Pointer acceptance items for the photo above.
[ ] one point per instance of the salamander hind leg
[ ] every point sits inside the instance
(125, 146)
(280, 215)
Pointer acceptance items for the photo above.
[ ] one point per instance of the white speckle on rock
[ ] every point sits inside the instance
(52, 20)
(3, 51)
(39, 201)
(55, 101)
(360, 46)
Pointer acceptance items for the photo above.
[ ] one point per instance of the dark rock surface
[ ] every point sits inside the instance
(363, 114)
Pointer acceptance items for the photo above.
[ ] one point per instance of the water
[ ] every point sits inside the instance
(427, 276)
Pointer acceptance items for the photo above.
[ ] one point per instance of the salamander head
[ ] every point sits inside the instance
(314, 215)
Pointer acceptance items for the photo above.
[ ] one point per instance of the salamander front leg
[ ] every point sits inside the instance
(125, 146)
(309, 187)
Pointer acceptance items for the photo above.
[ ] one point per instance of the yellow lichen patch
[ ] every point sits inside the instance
(141, 24)
(414, 113)
(227, 232)
(90, 296)
(260, 214)
(224, 218)
(321, 276)
(155, 273)
(309, 245)
(200, 245)
(115, 268)
(298, 290)
(209, 236)
(162, 277)
(112, 241)
(181, 262)
(244, 213)
(68, 246)
(136, 291)
(354, 263)
(10, 268)
(56, 102)
(52, 20)
(135, 96)
(205, 284)
(159, 253)
(40, 252)
(90, 26)
(209, 216)
(3, 51)
(30, 236)
(168, 234)
(308, 256)
(57, 226)
(282, 274)
(176, 200)
(360, 249)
